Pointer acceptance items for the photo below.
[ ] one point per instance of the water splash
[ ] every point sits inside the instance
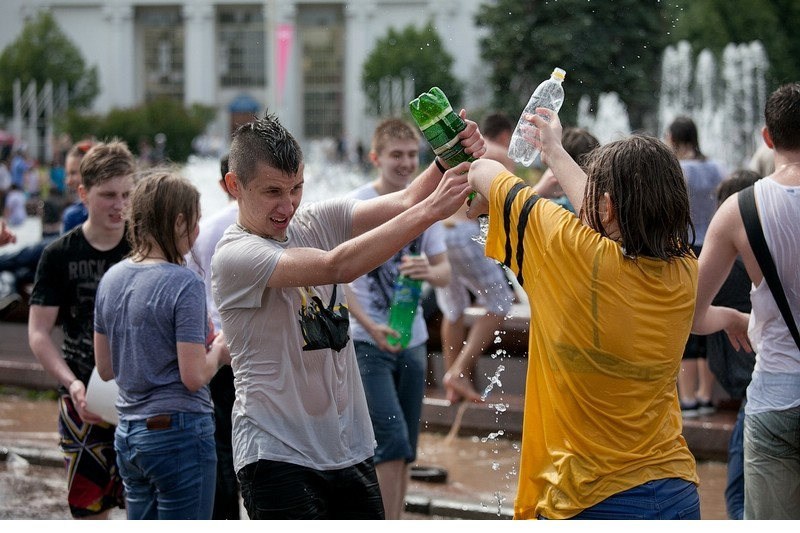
(495, 380)
(500, 499)
(493, 436)
(483, 222)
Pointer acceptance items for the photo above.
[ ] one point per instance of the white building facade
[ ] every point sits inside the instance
(301, 60)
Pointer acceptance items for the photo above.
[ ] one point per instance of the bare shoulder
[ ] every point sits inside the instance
(726, 232)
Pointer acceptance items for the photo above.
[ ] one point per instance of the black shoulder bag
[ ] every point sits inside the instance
(755, 234)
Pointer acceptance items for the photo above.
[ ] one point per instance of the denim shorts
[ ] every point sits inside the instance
(394, 384)
(169, 469)
(662, 499)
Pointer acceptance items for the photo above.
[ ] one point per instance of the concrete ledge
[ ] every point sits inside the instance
(28, 375)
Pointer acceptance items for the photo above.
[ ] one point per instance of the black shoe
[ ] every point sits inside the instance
(705, 407)
(690, 410)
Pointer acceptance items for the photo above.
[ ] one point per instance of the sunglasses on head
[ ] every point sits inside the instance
(84, 146)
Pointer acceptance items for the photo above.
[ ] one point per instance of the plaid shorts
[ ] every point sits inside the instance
(93, 482)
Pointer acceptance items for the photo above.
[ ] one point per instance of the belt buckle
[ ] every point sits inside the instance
(159, 422)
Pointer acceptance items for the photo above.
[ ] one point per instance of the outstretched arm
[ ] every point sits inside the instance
(367, 251)
(374, 212)
(568, 173)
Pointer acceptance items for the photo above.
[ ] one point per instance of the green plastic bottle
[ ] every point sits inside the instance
(405, 302)
(440, 125)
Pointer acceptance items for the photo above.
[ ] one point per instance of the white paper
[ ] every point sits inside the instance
(101, 397)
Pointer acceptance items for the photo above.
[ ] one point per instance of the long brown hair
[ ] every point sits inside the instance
(683, 132)
(648, 191)
(157, 201)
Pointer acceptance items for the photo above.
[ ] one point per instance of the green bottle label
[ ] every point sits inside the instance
(440, 126)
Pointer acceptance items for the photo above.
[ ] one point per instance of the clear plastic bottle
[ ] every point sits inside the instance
(549, 94)
(405, 302)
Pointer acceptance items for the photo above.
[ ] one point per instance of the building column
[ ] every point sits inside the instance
(120, 83)
(359, 21)
(199, 58)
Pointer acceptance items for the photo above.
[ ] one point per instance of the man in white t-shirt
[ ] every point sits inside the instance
(302, 436)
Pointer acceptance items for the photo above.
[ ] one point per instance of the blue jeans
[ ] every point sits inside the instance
(734, 490)
(663, 499)
(169, 473)
(772, 465)
(394, 384)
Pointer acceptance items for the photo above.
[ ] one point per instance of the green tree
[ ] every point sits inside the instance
(43, 52)
(712, 24)
(164, 115)
(615, 45)
(412, 53)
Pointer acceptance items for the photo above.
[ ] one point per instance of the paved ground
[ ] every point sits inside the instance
(481, 471)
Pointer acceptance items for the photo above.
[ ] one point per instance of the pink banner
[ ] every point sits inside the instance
(284, 35)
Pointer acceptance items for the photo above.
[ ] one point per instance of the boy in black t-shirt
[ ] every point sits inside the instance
(65, 286)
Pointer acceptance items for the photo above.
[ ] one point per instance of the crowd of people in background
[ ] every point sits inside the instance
(266, 367)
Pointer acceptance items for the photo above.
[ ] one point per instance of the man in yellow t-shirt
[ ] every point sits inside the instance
(612, 297)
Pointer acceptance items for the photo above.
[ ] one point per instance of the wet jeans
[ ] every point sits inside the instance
(734, 490)
(169, 472)
(663, 499)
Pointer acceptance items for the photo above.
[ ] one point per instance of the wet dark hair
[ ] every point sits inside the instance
(266, 141)
(738, 180)
(159, 197)
(782, 116)
(647, 188)
(496, 124)
(683, 131)
(223, 165)
(578, 142)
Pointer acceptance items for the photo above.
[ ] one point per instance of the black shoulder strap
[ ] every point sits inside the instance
(755, 234)
(521, 225)
(507, 219)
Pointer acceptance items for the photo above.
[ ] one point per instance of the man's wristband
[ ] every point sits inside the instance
(439, 165)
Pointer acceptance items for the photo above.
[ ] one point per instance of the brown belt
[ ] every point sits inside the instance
(159, 422)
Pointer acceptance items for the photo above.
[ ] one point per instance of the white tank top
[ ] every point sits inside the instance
(776, 378)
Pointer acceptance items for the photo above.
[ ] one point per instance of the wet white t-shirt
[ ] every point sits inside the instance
(305, 407)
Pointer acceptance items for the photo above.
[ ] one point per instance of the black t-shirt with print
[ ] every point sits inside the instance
(67, 277)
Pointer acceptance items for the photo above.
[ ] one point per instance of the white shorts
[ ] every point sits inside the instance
(472, 273)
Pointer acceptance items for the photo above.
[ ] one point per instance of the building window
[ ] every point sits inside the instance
(162, 32)
(322, 41)
(241, 46)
